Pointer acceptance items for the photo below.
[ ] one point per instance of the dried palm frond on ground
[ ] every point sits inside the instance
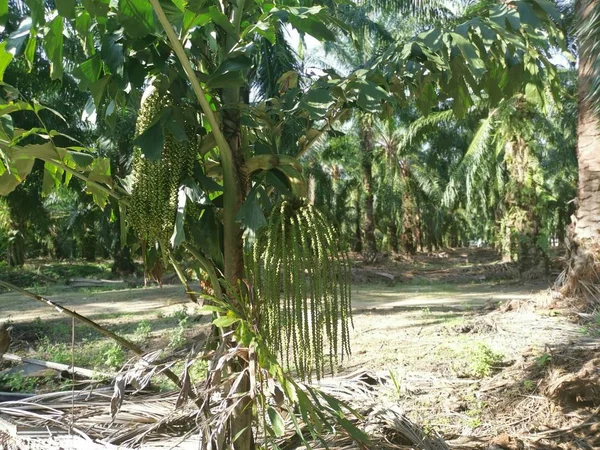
(155, 420)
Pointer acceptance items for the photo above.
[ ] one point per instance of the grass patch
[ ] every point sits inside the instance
(483, 361)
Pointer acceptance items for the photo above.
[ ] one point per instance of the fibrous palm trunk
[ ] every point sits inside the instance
(16, 245)
(409, 215)
(584, 239)
(393, 237)
(358, 240)
(367, 146)
(523, 223)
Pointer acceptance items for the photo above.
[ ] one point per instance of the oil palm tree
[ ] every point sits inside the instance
(582, 273)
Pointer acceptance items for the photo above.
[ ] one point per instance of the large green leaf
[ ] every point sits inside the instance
(52, 178)
(21, 160)
(66, 8)
(175, 11)
(97, 8)
(137, 17)
(99, 88)
(112, 53)
(89, 71)
(313, 26)
(83, 25)
(6, 128)
(221, 20)
(236, 63)
(3, 12)
(251, 215)
(53, 46)
(37, 11)
(19, 170)
(5, 59)
(152, 141)
(469, 53)
(229, 80)
(317, 102)
(30, 52)
(225, 321)
(277, 423)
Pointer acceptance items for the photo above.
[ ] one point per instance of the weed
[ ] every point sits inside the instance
(177, 337)
(115, 356)
(474, 414)
(396, 381)
(528, 385)
(484, 360)
(143, 330)
(56, 352)
(474, 422)
(181, 314)
(16, 382)
(426, 311)
(198, 370)
(543, 360)
(593, 327)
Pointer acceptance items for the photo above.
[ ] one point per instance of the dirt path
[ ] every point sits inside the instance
(476, 363)
(441, 295)
(17, 308)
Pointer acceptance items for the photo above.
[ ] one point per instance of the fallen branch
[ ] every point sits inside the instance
(87, 282)
(56, 366)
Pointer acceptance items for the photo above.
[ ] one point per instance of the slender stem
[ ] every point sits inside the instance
(183, 279)
(209, 268)
(124, 342)
(189, 71)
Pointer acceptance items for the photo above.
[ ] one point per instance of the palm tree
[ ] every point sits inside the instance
(584, 242)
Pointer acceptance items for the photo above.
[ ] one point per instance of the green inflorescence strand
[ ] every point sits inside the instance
(301, 279)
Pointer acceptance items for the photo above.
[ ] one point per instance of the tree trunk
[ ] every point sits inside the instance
(584, 233)
(393, 237)
(408, 214)
(16, 245)
(522, 219)
(88, 245)
(366, 142)
(358, 241)
(234, 192)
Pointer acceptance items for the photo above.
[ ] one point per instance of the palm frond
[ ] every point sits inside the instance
(419, 128)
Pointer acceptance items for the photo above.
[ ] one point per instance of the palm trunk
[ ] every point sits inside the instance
(233, 194)
(358, 241)
(16, 245)
(522, 221)
(366, 142)
(408, 215)
(584, 245)
(393, 237)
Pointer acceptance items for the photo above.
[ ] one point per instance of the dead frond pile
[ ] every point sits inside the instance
(153, 420)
